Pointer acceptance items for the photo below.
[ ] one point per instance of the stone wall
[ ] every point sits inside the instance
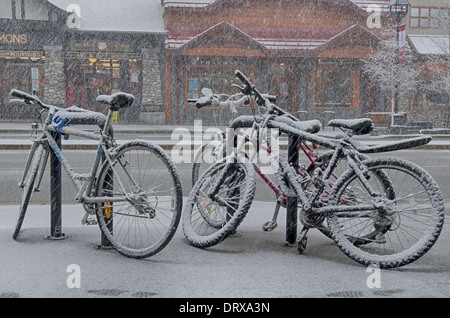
(152, 111)
(55, 87)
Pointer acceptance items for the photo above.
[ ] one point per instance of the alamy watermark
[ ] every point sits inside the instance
(261, 147)
(74, 19)
(74, 279)
(374, 279)
(374, 19)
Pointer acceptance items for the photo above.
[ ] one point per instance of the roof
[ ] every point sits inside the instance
(430, 44)
(144, 16)
(363, 4)
(304, 43)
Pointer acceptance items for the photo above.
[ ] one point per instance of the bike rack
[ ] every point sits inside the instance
(291, 203)
(56, 232)
(293, 159)
(55, 194)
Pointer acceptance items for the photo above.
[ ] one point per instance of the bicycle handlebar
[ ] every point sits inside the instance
(22, 95)
(248, 89)
(28, 99)
(262, 100)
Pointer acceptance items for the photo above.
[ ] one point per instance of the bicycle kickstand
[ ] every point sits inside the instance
(272, 225)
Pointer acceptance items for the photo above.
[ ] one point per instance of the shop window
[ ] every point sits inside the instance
(428, 17)
(218, 75)
(283, 84)
(23, 74)
(431, 92)
(90, 77)
(335, 88)
(426, 99)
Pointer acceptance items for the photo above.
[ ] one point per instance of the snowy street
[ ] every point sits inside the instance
(253, 264)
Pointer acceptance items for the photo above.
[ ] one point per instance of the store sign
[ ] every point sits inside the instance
(7, 38)
(21, 54)
(219, 62)
(102, 55)
(35, 78)
(93, 45)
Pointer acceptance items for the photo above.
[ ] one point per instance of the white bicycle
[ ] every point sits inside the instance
(133, 189)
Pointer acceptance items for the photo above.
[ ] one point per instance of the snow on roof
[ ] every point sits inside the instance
(302, 42)
(430, 44)
(188, 3)
(363, 4)
(144, 16)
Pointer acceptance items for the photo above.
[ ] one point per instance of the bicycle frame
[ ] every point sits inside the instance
(84, 183)
(307, 150)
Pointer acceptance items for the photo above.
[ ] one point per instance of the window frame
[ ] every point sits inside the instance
(249, 70)
(428, 17)
(354, 97)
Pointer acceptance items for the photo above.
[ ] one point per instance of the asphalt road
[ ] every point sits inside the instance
(436, 162)
(254, 264)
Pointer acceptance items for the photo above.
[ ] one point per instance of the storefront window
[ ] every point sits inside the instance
(334, 88)
(23, 74)
(216, 74)
(283, 84)
(431, 93)
(424, 98)
(87, 78)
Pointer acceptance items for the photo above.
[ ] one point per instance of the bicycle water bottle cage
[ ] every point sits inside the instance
(59, 123)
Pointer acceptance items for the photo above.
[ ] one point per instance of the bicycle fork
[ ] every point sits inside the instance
(43, 164)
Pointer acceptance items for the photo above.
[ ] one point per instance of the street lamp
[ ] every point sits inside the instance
(400, 9)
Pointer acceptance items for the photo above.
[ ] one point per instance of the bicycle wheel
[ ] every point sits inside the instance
(28, 186)
(407, 218)
(210, 218)
(210, 153)
(144, 222)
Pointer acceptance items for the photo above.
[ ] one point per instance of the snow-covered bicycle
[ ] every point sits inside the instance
(373, 220)
(133, 189)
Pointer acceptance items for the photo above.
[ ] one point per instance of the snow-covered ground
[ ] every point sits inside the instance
(252, 264)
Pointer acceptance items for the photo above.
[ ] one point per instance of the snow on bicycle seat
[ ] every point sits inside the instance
(116, 100)
(360, 126)
(309, 126)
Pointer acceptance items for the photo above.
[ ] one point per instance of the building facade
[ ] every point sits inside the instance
(70, 60)
(308, 53)
(427, 29)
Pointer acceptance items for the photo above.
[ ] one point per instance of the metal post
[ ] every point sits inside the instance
(55, 194)
(108, 185)
(291, 204)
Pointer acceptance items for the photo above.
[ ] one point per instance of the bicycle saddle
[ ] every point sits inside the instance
(311, 126)
(359, 126)
(116, 100)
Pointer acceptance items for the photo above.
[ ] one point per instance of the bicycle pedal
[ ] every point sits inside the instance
(91, 222)
(269, 226)
(380, 238)
(88, 221)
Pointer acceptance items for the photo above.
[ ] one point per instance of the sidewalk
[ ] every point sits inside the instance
(16, 136)
(253, 264)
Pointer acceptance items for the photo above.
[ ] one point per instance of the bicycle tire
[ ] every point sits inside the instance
(208, 221)
(211, 152)
(409, 225)
(28, 187)
(144, 223)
